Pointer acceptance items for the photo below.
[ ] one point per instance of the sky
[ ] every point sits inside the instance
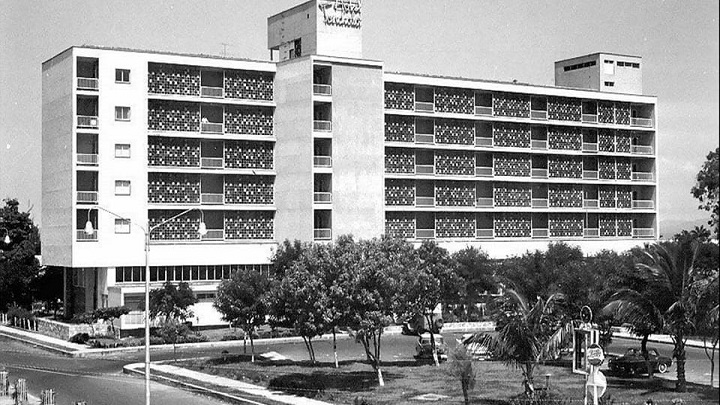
(482, 39)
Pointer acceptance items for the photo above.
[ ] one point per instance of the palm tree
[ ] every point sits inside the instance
(527, 334)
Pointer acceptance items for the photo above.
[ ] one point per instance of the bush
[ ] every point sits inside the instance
(80, 338)
(105, 343)
(20, 313)
(235, 336)
(299, 384)
(192, 338)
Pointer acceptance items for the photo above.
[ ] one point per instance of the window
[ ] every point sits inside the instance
(609, 67)
(609, 84)
(122, 150)
(636, 65)
(122, 75)
(122, 187)
(579, 65)
(206, 296)
(122, 113)
(122, 225)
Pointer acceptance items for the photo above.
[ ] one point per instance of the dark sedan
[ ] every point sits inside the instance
(633, 362)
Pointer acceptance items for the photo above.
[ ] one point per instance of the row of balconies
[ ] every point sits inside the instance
(536, 144)
(538, 173)
(535, 203)
(542, 233)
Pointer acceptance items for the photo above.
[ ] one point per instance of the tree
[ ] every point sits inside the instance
(706, 310)
(344, 253)
(527, 334)
(242, 301)
(285, 255)
(461, 367)
(46, 287)
(18, 265)
(109, 315)
(707, 189)
(476, 271)
(171, 302)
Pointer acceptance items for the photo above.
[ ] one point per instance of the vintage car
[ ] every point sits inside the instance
(633, 362)
(423, 347)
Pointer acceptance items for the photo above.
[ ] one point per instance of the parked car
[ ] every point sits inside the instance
(423, 347)
(477, 350)
(633, 362)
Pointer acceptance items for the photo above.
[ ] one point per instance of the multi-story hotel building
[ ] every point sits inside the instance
(321, 142)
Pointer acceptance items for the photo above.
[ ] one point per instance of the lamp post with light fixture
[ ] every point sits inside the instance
(6, 239)
(147, 230)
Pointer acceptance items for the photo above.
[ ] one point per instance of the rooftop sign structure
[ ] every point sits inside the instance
(342, 13)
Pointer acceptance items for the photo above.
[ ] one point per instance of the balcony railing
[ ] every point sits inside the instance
(209, 91)
(643, 232)
(589, 118)
(589, 147)
(540, 203)
(323, 126)
(641, 149)
(539, 173)
(591, 203)
(213, 234)
(538, 114)
(482, 141)
(540, 233)
(591, 233)
(643, 204)
(82, 236)
(641, 122)
(424, 106)
(87, 83)
(88, 197)
(212, 198)
(322, 161)
(211, 162)
(482, 110)
(89, 159)
(212, 127)
(484, 233)
(421, 201)
(424, 233)
(87, 121)
(642, 176)
(322, 197)
(485, 202)
(322, 234)
(539, 144)
(482, 171)
(322, 89)
(424, 169)
(590, 174)
(424, 138)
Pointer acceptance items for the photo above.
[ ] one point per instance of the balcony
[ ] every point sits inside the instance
(322, 197)
(211, 162)
(591, 203)
(641, 122)
(322, 234)
(212, 198)
(643, 204)
(82, 236)
(538, 115)
(641, 149)
(87, 83)
(481, 171)
(590, 118)
(591, 233)
(87, 197)
(424, 106)
(541, 144)
(322, 126)
(424, 233)
(484, 233)
(322, 161)
(643, 233)
(589, 147)
(540, 233)
(540, 203)
(87, 121)
(424, 169)
(484, 142)
(322, 89)
(213, 234)
(87, 159)
(539, 173)
(212, 92)
(642, 176)
(424, 201)
(211, 127)
(482, 110)
(485, 202)
(590, 174)
(424, 138)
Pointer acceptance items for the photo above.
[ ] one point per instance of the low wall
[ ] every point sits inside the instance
(65, 331)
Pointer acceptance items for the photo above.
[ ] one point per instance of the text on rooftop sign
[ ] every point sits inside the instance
(343, 13)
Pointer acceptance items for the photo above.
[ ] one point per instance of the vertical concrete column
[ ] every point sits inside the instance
(4, 383)
(21, 391)
(47, 397)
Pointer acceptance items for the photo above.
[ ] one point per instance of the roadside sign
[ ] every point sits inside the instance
(596, 384)
(595, 354)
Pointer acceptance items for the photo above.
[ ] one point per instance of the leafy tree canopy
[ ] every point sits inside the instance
(707, 189)
(18, 266)
(172, 302)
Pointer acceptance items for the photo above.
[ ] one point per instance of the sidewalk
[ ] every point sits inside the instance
(219, 387)
(621, 332)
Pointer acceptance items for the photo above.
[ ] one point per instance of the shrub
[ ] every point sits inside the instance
(105, 343)
(234, 336)
(193, 338)
(299, 384)
(80, 338)
(20, 313)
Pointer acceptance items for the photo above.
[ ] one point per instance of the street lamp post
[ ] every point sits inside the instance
(6, 239)
(147, 230)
